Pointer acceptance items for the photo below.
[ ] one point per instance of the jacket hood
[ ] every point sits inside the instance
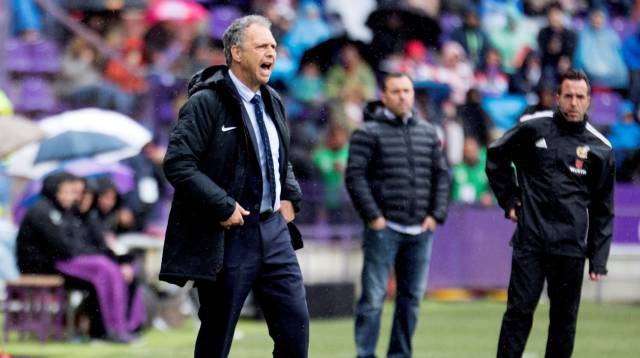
(52, 182)
(374, 111)
(207, 78)
(217, 76)
(103, 184)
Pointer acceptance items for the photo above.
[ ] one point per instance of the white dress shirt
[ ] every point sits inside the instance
(247, 95)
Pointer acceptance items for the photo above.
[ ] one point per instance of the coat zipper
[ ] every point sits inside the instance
(412, 180)
(586, 235)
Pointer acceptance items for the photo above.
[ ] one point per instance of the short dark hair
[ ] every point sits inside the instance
(391, 75)
(553, 6)
(574, 75)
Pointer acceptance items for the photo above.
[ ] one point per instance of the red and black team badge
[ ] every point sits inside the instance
(582, 152)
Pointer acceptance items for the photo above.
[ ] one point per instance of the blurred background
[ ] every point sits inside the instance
(115, 72)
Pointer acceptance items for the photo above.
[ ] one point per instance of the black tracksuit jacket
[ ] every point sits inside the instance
(564, 179)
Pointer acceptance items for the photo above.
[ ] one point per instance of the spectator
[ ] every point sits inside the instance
(81, 84)
(79, 65)
(625, 140)
(25, 19)
(471, 36)
(599, 53)
(41, 240)
(453, 133)
(352, 76)
(546, 97)
(455, 70)
(525, 80)
(470, 183)
(557, 43)
(512, 41)
(308, 30)
(490, 79)
(142, 201)
(86, 227)
(112, 215)
(308, 85)
(414, 61)
(128, 73)
(631, 54)
(475, 121)
(280, 15)
(349, 84)
(330, 159)
(285, 69)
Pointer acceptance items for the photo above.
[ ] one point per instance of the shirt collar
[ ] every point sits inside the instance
(390, 115)
(245, 92)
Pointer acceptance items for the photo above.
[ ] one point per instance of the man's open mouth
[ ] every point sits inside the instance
(266, 65)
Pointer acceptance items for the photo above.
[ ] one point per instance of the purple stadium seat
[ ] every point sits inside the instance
(12, 91)
(221, 17)
(449, 23)
(18, 57)
(604, 108)
(35, 96)
(45, 57)
(578, 23)
(623, 26)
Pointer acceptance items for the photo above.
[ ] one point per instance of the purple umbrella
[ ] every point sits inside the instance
(122, 176)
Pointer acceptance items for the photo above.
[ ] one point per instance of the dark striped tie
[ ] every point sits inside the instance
(257, 105)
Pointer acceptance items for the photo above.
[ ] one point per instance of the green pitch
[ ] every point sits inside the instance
(446, 330)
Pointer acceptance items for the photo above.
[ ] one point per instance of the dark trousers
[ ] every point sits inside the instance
(564, 283)
(257, 256)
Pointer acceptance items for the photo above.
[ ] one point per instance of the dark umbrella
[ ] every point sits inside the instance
(327, 52)
(103, 5)
(405, 22)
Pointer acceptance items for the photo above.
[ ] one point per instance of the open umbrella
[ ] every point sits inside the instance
(405, 22)
(102, 5)
(73, 145)
(16, 132)
(176, 10)
(99, 121)
(327, 52)
(33, 161)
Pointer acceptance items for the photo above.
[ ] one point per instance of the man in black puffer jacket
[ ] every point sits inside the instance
(398, 181)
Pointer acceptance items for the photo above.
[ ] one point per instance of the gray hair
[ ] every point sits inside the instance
(234, 34)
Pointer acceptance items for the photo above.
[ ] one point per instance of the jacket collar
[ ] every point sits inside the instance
(376, 111)
(567, 126)
(245, 92)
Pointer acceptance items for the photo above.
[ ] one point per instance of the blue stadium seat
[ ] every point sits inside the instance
(504, 111)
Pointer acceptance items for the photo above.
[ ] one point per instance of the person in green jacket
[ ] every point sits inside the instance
(470, 184)
(330, 159)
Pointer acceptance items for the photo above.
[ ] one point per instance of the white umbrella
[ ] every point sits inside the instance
(16, 132)
(22, 163)
(99, 121)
